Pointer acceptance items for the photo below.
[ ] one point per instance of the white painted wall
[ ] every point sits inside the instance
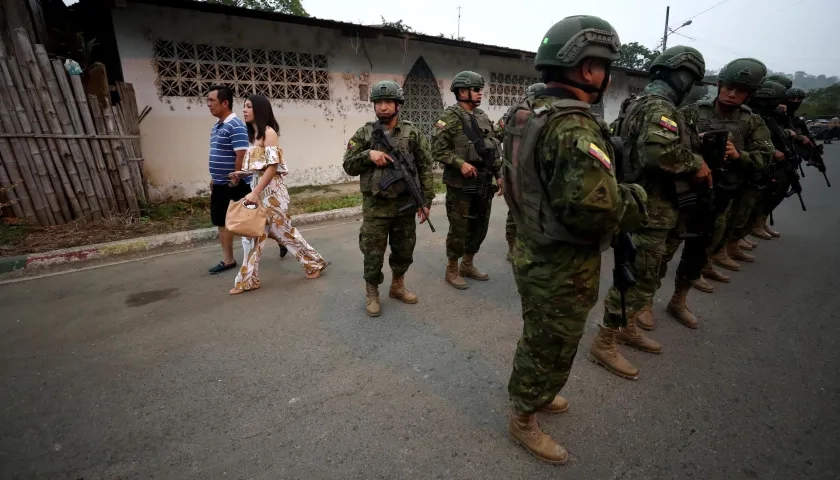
(313, 134)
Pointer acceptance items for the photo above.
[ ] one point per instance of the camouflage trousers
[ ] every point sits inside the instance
(558, 287)
(510, 229)
(773, 196)
(465, 234)
(719, 237)
(376, 234)
(655, 248)
(743, 207)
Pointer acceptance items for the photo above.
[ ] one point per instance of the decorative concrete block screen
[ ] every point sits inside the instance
(506, 89)
(187, 70)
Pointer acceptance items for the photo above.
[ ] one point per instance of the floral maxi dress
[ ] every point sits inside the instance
(275, 199)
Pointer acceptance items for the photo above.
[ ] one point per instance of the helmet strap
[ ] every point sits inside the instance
(589, 88)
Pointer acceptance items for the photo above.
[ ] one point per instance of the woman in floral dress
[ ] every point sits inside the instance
(264, 160)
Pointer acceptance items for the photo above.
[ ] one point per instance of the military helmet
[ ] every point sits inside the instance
(770, 90)
(680, 57)
(785, 81)
(466, 79)
(535, 89)
(387, 90)
(575, 38)
(796, 92)
(746, 72)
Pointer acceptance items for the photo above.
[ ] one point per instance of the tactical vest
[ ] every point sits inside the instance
(463, 147)
(632, 167)
(369, 181)
(739, 133)
(524, 191)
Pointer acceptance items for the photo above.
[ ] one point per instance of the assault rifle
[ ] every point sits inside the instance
(403, 168)
(482, 187)
(701, 202)
(816, 160)
(788, 166)
(624, 251)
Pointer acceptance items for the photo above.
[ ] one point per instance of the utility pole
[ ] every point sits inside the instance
(459, 22)
(665, 35)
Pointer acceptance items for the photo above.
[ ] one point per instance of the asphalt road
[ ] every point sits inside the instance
(149, 369)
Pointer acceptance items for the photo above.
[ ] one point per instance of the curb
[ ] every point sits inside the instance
(145, 244)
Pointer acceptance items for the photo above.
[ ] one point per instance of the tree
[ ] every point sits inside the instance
(291, 7)
(636, 56)
(822, 102)
(399, 25)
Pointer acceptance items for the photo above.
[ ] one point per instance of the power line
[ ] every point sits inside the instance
(710, 8)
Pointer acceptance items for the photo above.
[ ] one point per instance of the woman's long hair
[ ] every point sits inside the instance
(263, 117)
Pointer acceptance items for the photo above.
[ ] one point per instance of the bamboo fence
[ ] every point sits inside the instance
(63, 156)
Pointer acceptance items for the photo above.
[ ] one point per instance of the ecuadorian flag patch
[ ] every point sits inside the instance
(668, 123)
(599, 155)
(440, 124)
(351, 144)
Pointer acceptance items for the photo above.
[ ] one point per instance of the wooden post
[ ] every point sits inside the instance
(99, 123)
(75, 118)
(48, 182)
(132, 154)
(49, 151)
(90, 129)
(65, 125)
(24, 49)
(122, 165)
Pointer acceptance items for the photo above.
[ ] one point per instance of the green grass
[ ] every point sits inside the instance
(312, 205)
(13, 234)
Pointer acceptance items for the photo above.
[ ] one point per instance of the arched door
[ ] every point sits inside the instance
(423, 103)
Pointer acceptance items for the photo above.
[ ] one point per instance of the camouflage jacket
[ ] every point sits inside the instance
(357, 162)
(657, 140)
(747, 131)
(573, 158)
(451, 147)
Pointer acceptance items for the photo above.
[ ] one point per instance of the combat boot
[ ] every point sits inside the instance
(735, 253)
(677, 307)
(751, 243)
(372, 300)
(632, 335)
(468, 270)
(604, 351)
(759, 231)
(645, 318)
(712, 273)
(769, 230)
(452, 276)
(745, 244)
(703, 285)
(722, 259)
(401, 293)
(558, 405)
(524, 429)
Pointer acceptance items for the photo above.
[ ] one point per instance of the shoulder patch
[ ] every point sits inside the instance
(668, 123)
(599, 155)
(440, 124)
(599, 197)
(351, 144)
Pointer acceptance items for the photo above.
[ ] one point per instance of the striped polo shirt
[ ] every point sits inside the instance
(226, 138)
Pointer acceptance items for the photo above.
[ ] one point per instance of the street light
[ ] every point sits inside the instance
(665, 35)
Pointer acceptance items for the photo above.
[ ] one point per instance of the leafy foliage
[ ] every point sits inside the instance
(636, 56)
(291, 7)
(822, 102)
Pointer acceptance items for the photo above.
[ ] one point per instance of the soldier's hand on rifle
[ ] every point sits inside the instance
(423, 214)
(380, 158)
(704, 174)
(778, 156)
(731, 151)
(468, 170)
(806, 140)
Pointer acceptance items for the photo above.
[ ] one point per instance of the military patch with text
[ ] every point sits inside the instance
(599, 155)
(668, 123)
(351, 144)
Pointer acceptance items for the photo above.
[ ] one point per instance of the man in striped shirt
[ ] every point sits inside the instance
(228, 144)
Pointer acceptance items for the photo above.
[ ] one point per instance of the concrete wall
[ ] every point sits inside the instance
(313, 133)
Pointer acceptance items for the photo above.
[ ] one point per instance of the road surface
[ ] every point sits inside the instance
(149, 369)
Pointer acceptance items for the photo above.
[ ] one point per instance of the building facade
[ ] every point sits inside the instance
(316, 72)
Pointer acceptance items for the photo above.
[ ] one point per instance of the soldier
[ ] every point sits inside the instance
(749, 148)
(510, 226)
(464, 141)
(560, 185)
(658, 150)
(765, 102)
(386, 218)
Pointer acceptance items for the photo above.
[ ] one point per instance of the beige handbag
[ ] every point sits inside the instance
(246, 220)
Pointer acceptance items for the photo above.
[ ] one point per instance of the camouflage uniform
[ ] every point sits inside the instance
(751, 138)
(385, 216)
(568, 206)
(468, 213)
(658, 146)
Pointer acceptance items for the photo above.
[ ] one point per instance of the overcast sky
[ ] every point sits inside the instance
(787, 35)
